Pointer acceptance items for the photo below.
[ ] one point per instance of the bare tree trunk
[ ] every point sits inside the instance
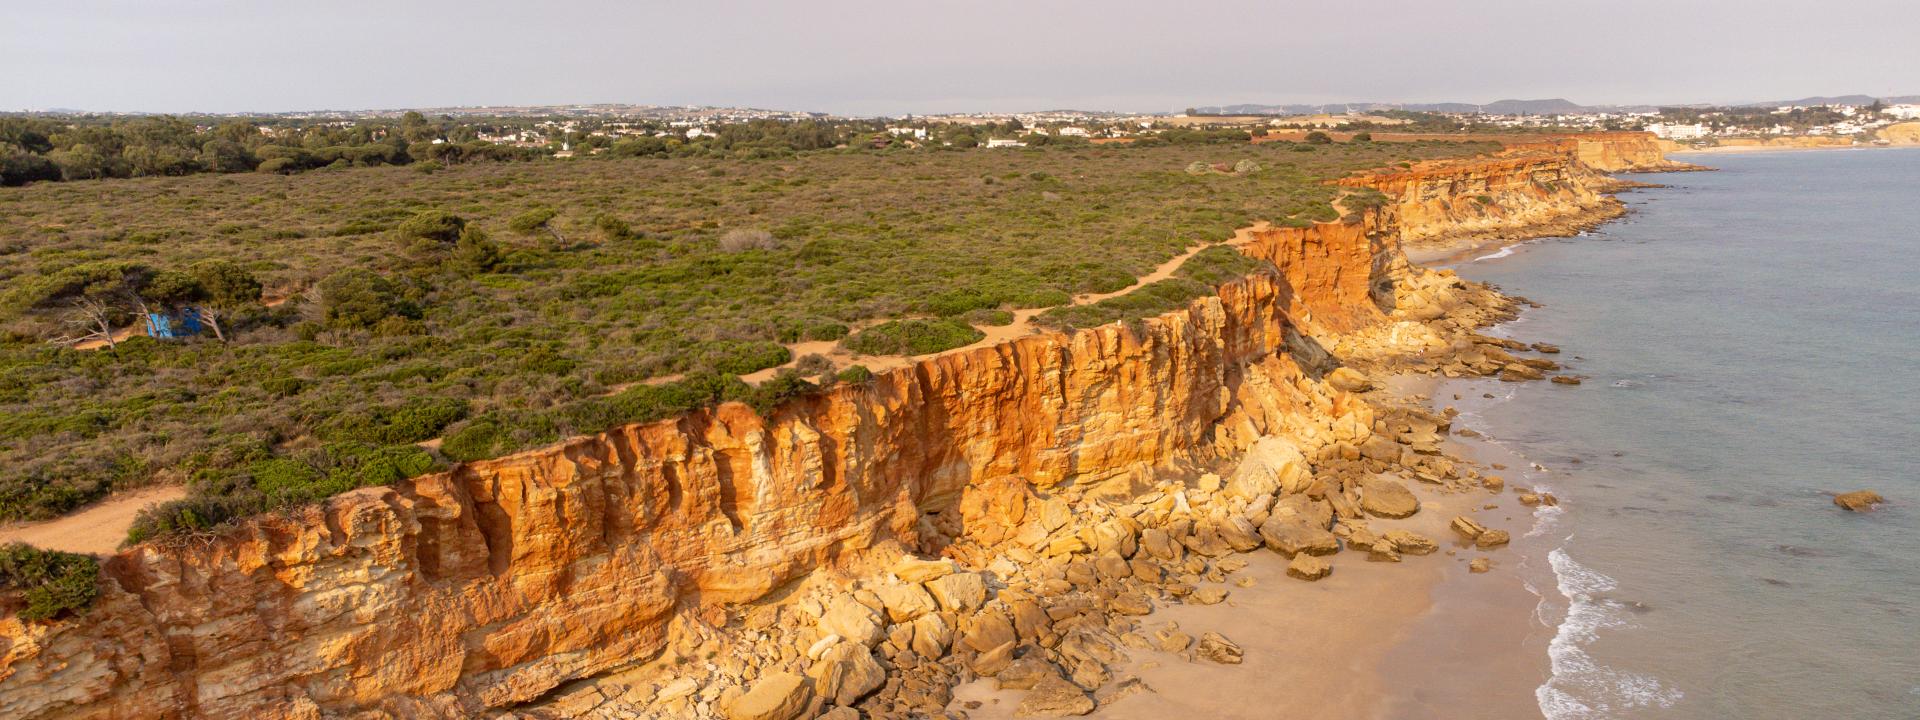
(95, 321)
(212, 319)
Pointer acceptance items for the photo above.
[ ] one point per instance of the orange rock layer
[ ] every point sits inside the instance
(490, 585)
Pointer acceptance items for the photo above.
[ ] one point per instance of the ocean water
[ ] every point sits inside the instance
(1750, 340)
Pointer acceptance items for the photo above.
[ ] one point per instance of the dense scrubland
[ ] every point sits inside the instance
(404, 319)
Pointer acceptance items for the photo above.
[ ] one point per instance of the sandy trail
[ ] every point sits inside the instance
(97, 529)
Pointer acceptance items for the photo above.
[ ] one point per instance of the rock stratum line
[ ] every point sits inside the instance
(500, 586)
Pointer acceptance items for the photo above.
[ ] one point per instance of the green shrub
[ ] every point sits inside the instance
(52, 583)
(532, 221)
(195, 513)
(913, 337)
(825, 331)
(856, 374)
(742, 357)
(413, 421)
(359, 299)
(437, 226)
(278, 482)
(1217, 265)
(782, 386)
(476, 439)
(1154, 299)
(283, 386)
(474, 253)
(990, 317)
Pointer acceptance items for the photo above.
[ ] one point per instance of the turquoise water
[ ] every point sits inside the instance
(1751, 342)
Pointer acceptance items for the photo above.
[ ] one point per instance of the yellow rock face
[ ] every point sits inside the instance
(1901, 134)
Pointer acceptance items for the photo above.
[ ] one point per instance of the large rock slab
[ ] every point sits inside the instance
(1290, 537)
(1388, 498)
(1272, 465)
(1054, 697)
(780, 696)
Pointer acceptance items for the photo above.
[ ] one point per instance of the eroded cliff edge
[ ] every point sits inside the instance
(488, 587)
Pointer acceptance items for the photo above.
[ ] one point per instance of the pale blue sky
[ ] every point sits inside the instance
(897, 57)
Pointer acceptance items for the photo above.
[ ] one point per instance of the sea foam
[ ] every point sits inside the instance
(1580, 687)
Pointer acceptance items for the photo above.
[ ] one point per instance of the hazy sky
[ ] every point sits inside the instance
(851, 57)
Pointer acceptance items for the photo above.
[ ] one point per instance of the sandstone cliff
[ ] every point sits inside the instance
(1624, 152)
(1523, 188)
(1907, 133)
(492, 585)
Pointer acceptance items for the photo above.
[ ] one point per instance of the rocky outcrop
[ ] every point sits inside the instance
(1624, 152)
(1906, 133)
(498, 583)
(1526, 191)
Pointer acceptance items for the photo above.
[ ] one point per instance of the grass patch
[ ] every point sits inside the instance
(913, 337)
(1153, 299)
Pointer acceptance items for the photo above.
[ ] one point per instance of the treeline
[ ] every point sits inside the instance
(1799, 118)
(41, 149)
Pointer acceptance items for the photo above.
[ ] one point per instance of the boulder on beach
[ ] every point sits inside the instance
(1308, 567)
(1349, 380)
(780, 696)
(1387, 498)
(1217, 648)
(1054, 697)
(1289, 536)
(1858, 500)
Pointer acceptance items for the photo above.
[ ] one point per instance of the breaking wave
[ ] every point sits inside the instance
(1580, 687)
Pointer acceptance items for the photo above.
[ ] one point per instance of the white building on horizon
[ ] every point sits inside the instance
(1674, 131)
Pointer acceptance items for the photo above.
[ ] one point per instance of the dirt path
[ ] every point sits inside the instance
(118, 335)
(98, 528)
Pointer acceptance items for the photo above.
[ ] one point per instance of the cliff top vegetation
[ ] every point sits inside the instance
(365, 324)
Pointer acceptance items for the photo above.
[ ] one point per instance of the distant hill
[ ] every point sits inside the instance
(1841, 100)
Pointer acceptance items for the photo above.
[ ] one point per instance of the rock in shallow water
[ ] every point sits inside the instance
(1858, 500)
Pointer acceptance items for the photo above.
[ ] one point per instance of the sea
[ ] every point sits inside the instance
(1749, 341)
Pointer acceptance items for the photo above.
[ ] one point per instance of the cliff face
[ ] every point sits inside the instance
(1907, 133)
(491, 585)
(1523, 188)
(1624, 152)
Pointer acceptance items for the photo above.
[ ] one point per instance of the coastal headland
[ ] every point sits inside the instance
(1018, 518)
